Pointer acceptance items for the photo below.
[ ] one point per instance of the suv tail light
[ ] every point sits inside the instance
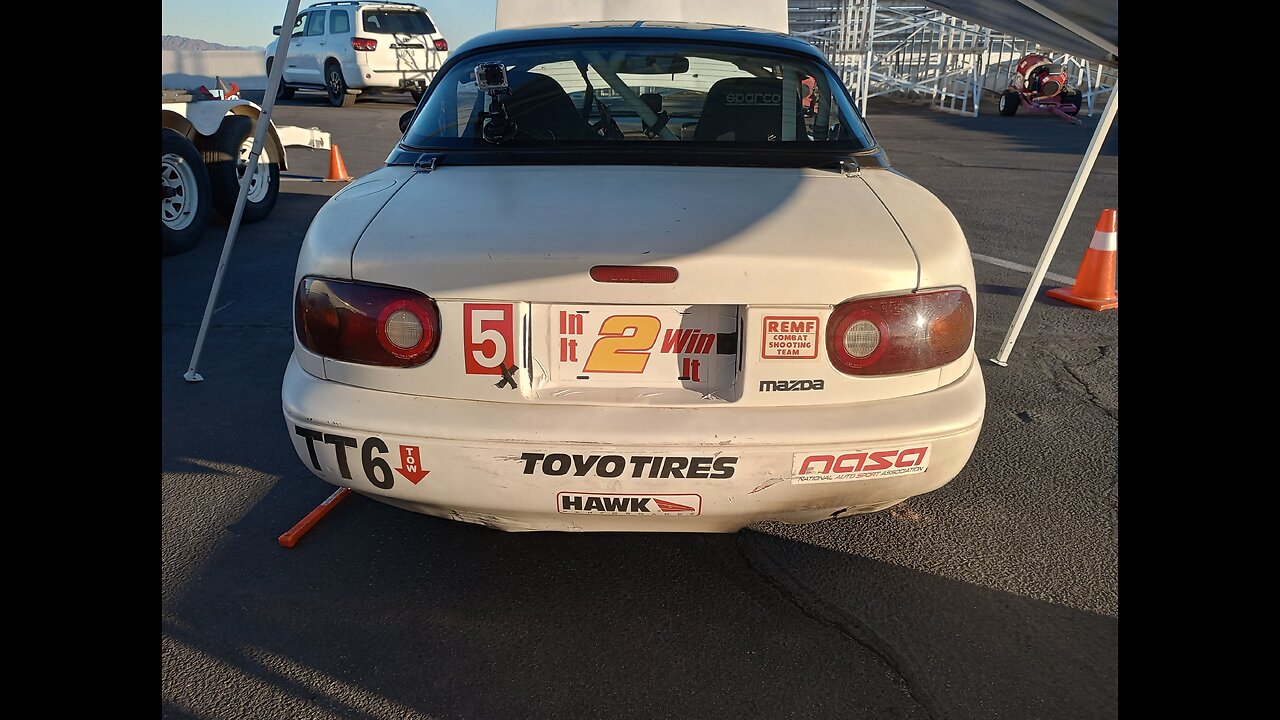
(364, 44)
(900, 333)
(368, 324)
(441, 44)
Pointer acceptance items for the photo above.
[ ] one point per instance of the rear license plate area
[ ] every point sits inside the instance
(662, 347)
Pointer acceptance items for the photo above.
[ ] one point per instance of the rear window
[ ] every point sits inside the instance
(671, 95)
(412, 22)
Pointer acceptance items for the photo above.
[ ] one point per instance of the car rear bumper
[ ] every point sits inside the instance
(571, 467)
(394, 79)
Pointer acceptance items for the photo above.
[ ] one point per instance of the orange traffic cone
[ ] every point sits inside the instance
(1095, 286)
(337, 168)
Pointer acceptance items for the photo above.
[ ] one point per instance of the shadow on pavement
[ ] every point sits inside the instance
(1024, 132)
(383, 613)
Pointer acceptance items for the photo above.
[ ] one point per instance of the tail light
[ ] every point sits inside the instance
(900, 333)
(368, 324)
(442, 45)
(364, 44)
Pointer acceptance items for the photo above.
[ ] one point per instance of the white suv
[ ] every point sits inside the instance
(348, 49)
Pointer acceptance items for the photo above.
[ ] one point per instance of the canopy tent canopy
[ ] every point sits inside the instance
(763, 14)
(1085, 28)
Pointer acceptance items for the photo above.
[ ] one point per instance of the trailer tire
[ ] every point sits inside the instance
(226, 155)
(184, 194)
(1009, 102)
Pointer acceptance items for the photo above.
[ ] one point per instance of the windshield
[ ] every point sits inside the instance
(669, 95)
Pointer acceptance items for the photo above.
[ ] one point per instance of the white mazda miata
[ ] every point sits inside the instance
(635, 276)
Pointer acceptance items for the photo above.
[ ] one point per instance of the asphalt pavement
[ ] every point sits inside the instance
(992, 597)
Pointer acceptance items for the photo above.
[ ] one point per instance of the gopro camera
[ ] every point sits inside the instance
(491, 77)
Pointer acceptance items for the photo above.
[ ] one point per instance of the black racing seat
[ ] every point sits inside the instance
(542, 110)
(746, 109)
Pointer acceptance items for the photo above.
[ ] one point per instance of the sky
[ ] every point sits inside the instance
(249, 22)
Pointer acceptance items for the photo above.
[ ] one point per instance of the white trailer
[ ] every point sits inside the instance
(205, 146)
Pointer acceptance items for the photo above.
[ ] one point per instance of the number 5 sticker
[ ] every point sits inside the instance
(487, 332)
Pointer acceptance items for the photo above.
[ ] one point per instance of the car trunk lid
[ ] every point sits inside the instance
(406, 39)
(735, 235)
(761, 256)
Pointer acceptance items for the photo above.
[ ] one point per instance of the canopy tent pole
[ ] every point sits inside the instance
(259, 138)
(1068, 207)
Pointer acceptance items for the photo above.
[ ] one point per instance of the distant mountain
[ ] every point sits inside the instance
(177, 42)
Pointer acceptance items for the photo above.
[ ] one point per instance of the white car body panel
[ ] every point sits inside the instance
(939, 243)
(715, 225)
(936, 237)
(397, 54)
(470, 435)
(531, 234)
(472, 454)
(512, 424)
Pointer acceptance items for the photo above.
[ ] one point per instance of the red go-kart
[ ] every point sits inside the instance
(1041, 86)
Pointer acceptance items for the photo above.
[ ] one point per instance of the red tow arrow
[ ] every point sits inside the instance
(411, 464)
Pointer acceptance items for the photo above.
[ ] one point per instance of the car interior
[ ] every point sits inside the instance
(543, 110)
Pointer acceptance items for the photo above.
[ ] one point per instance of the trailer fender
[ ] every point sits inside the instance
(205, 117)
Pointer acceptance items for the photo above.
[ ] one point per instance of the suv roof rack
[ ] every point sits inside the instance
(361, 2)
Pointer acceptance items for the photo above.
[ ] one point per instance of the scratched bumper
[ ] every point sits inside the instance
(566, 467)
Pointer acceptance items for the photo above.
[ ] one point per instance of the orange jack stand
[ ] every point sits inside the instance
(296, 532)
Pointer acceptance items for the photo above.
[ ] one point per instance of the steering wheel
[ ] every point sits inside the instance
(607, 127)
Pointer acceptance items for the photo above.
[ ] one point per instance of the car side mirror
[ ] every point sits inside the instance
(404, 121)
(275, 30)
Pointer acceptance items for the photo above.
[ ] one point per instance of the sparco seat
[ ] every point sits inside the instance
(542, 110)
(746, 110)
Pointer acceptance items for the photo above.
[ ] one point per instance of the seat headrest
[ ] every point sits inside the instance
(746, 109)
(543, 110)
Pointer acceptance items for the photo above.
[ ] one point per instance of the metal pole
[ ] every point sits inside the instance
(1068, 206)
(870, 28)
(259, 138)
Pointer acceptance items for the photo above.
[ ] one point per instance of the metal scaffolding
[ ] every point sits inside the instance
(915, 52)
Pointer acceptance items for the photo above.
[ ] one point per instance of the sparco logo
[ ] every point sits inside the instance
(584, 504)
(753, 99)
(790, 385)
(642, 466)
